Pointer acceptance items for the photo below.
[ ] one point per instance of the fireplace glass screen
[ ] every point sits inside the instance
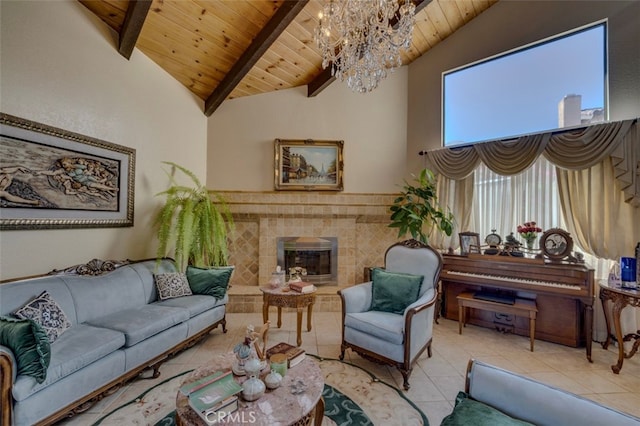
(318, 255)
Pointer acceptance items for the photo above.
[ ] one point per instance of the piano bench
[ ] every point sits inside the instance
(521, 307)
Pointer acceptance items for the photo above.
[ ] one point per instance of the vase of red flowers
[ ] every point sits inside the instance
(529, 232)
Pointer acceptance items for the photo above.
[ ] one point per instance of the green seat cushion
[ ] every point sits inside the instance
(471, 412)
(29, 344)
(211, 281)
(394, 291)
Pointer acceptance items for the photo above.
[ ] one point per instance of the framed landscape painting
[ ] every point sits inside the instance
(308, 165)
(53, 179)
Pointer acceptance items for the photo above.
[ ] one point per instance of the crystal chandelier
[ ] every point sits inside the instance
(362, 39)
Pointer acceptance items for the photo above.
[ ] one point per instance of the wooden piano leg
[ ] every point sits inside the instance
(588, 317)
(532, 328)
(461, 316)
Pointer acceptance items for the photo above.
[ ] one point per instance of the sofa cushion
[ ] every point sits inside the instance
(172, 284)
(394, 291)
(102, 295)
(211, 281)
(195, 304)
(470, 412)
(45, 311)
(80, 346)
(29, 344)
(142, 322)
(383, 325)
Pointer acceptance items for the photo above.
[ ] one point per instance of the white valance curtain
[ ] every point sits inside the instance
(590, 161)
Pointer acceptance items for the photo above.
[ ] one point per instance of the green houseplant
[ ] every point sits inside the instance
(416, 210)
(197, 225)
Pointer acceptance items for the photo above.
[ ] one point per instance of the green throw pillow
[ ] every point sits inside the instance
(29, 344)
(394, 291)
(211, 281)
(471, 412)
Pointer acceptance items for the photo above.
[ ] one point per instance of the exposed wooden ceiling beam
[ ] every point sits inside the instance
(324, 79)
(276, 25)
(136, 14)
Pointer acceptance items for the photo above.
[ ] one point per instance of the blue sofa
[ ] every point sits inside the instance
(497, 397)
(119, 329)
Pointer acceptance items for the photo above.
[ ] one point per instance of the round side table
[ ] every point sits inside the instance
(283, 297)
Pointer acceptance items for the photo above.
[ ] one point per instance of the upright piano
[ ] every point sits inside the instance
(564, 294)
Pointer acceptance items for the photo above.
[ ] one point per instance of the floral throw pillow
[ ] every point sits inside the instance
(46, 312)
(172, 284)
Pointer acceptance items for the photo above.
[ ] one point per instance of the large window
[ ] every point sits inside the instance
(554, 83)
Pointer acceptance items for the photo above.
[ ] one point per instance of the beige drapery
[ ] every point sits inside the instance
(597, 216)
(457, 195)
(615, 145)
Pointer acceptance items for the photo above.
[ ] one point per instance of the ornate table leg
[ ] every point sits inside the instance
(265, 308)
(618, 305)
(279, 316)
(309, 312)
(318, 412)
(607, 320)
(299, 326)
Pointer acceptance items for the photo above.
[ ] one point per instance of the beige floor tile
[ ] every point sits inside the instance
(435, 410)
(449, 386)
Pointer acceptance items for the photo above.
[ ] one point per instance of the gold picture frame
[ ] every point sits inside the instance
(469, 243)
(308, 165)
(56, 179)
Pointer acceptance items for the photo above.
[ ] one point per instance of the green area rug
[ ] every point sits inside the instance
(352, 396)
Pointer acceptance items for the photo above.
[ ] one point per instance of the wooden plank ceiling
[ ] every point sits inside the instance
(225, 49)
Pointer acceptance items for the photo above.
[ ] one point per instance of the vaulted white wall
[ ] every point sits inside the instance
(373, 126)
(59, 66)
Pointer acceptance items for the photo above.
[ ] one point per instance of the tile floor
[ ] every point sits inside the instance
(435, 381)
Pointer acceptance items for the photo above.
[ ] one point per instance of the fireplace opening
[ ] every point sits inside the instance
(318, 255)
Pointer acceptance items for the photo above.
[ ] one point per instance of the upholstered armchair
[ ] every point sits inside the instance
(389, 319)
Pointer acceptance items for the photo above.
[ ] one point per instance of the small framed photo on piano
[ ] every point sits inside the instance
(469, 243)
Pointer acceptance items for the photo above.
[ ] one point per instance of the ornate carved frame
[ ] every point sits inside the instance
(28, 154)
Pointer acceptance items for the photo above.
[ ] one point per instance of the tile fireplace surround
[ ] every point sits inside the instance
(359, 221)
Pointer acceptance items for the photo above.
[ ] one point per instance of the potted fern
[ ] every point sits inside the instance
(197, 225)
(416, 210)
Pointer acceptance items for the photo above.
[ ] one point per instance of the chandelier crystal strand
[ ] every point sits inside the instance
(358, 39)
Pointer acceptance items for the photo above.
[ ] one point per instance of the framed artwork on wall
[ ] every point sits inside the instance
(308, 165)
(54, 179)
(469, 243)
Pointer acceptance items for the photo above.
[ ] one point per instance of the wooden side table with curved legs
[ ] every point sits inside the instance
(282, 297)
(620, 298)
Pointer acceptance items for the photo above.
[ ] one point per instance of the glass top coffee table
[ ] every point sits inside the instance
(298, 400)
